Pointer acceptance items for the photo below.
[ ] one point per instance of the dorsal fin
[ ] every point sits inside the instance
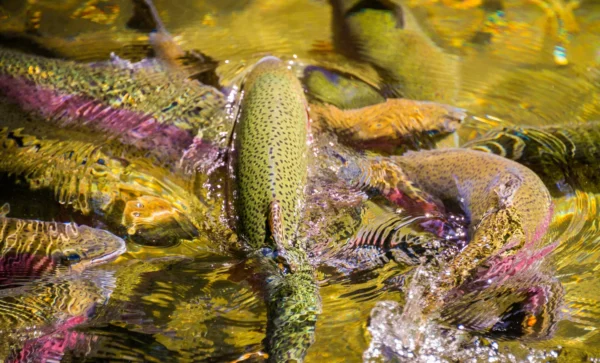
(4, 210)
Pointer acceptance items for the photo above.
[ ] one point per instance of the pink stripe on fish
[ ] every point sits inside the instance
(542, 228)
(131, 127)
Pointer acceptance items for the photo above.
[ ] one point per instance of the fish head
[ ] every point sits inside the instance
(82, 246)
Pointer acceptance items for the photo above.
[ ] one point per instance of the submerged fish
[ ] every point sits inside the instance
(31, 316)
(559, 154)
(139, 104)
(385, 34)
(111, 181)
(393, 123)
(338, 90)
(66, 243)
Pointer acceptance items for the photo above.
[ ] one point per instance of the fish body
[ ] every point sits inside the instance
(394, 122)
(507, 206)
(271, 146)
(139, 104)
(111, 181)
(525, 305)
(32, 316)
(338, 90)
(558, 154)
(65, 243)
(385, 34)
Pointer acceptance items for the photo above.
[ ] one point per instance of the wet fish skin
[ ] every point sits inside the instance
(338, 90)
(271, 146)
(98, 179)
(140, 104)
(385, 34)
(66, 243)
(556, 153)
(394, 122)
(49, 306)
(507, 206)
(525, 306)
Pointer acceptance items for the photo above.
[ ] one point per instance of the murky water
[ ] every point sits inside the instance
(185, 297)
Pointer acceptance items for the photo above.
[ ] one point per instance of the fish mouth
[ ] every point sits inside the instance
(109, 257)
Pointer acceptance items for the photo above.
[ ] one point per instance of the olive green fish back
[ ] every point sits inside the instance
(271, 145)
(144, 87)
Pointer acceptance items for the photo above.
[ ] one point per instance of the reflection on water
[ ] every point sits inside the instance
(526, 72)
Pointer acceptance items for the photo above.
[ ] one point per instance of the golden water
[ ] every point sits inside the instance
(184, 303)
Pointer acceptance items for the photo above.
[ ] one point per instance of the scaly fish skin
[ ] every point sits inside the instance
(272, 149)
(395, 122)
(507, 205)
(138, 103)
(272, 146)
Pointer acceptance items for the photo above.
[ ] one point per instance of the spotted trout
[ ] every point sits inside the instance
(271, 171)
(507, 205)
(139, 104)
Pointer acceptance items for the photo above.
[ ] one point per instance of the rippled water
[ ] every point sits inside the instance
(191, 302)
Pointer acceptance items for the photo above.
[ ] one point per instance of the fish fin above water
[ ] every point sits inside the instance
(164, 45)
(275, 219)
(166, 48)
(4, 210)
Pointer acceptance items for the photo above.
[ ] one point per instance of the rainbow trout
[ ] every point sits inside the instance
(272, 146)
(507, 205)
(524, 304)
(385, 34)
(46, 307)
(104, 179)
(392, 123)
(66, 243)
(139, 104)
(559, 154)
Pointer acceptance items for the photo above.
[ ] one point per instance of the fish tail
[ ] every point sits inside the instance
(293, 306)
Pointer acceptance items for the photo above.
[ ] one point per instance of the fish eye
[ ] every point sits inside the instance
(72, 258)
